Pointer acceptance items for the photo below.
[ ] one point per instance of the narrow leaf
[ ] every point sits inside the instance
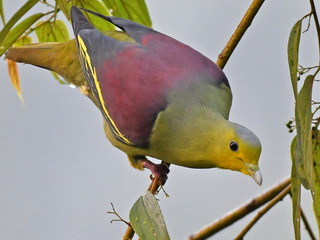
(60, 30)
(14, 76)
(316, 160)
(17, 31)
(96, 6)
(133, 10)
(293, 55)
(303, 117)
(295, 191)
(16, 17)
(55, 31)
(65, 7)
(296, 158)
(147, 220)
(2, 13)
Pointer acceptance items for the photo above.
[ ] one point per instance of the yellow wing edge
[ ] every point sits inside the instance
(92, 70)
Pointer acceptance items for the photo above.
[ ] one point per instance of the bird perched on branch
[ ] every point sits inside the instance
(158, 96)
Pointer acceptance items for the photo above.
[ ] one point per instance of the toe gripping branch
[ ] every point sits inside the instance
(159, 171)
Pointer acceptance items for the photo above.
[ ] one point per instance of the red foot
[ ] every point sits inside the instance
(158, 170)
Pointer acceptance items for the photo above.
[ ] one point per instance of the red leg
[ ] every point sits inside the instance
(158, 170)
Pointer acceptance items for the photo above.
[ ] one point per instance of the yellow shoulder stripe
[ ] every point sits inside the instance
(92, 74)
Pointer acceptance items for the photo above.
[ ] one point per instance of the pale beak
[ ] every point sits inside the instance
(257, 177)
(254, 172)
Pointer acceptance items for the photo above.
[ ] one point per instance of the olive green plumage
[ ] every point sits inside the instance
(189, 126)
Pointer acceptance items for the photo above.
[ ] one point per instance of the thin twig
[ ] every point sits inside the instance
(316, 22)
(48, 4)
(120, 219)
(309, 19)
(273, 202)
(240, 212)
(307, 225)
(31, 29)
(239, 32)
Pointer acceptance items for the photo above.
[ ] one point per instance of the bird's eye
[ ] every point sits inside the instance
(233, 146)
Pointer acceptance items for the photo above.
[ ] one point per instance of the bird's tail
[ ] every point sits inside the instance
(61, 58)
(36, 54)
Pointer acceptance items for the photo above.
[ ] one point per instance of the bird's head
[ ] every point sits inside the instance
(241, 150)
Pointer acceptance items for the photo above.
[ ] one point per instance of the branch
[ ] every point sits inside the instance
(273, 202)
(239, 32)
(241, 211)
(307, 225)
(316, 22)
(153, 188)
(128, 235)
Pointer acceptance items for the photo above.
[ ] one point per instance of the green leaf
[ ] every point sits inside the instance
(65, 7)
(17, 31)
(147, 220)
(316, 160)
(25, 40)
(55, 31)
(293, 55)
(2, 13)
(16, 17)
(96, 6)
(295, 191)
(133, 10)
(303, 118)
(296, 158)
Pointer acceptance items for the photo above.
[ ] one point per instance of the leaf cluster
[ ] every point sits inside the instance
(305, 146)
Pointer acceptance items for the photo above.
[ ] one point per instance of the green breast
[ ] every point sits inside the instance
(183, 132)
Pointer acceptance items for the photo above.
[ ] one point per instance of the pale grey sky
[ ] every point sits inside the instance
(58, 172)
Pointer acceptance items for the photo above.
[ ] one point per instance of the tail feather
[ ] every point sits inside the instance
(61, 58)
(32, 54)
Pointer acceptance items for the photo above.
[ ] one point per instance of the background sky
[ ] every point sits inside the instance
(58, 172)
